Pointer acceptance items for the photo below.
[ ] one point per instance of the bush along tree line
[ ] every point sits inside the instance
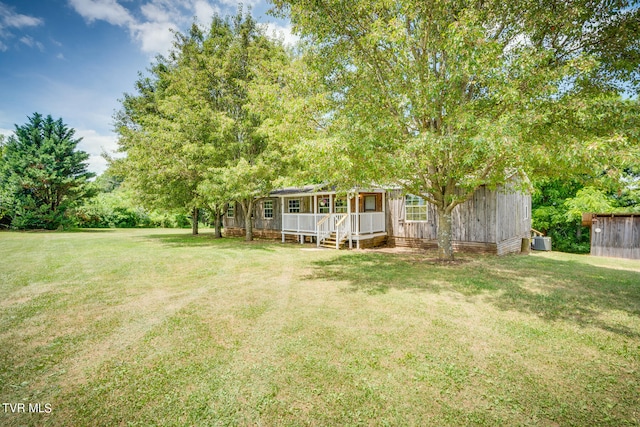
(115, 207)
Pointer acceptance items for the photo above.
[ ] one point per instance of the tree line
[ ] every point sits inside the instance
(438, 97)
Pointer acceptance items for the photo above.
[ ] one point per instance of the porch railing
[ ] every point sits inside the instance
(323, 225)
(369, 222)
(300, 223)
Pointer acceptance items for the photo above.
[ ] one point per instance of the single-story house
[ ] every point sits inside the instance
(492, 221)
(614, 235)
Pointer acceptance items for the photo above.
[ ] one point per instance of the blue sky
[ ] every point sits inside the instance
(75, 58)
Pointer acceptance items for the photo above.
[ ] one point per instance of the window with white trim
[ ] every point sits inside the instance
(267, 209)
(341, 205)
(324, 205)
(231, 210)
(415, 208)
(294, 206)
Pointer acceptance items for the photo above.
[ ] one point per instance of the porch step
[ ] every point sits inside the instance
(330, 242)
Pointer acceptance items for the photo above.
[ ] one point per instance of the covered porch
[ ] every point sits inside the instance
(330, 219)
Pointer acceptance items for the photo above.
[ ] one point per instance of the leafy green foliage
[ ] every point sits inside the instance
(558, 205)
(42, 174)
(588, 199)
(191, 134)
(115, 206)
(444, 96)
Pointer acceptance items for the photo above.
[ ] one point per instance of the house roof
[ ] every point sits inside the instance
(317, 188)
(307, 189)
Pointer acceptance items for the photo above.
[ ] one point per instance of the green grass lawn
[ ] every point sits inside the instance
(155, 327)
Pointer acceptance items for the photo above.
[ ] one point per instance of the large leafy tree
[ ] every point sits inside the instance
(254, 65)
(166, 131)
(42, 174)
(192, 133)
(444, 96)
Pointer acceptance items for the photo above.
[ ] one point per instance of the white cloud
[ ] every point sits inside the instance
(156, 12)
(95, 144)
(104, 10)
(11, 19)
(6, 132)
(235, 3)
(152, 31)
(154, 37)
(204, 12)
(60, 56)
(281, 32)
(29, 41)
(150, 24)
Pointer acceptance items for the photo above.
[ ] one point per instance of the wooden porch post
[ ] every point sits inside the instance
(384, 194)
(384, 209)
(282, 217)
(315, 217)
(358, 218)
(350, 225)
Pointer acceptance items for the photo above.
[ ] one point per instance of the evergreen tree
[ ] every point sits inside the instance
(41, 174)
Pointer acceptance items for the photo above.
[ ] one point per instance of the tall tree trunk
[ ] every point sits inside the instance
(247, 207)
(445, 244)
(217, 224)
(194, 221)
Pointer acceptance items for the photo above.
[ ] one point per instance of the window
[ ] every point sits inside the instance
(267, 209)
(369, 203)
(415, 208)
(294, 206)
(324, 205)
(526, 211)
(341, 205)
(231, 210)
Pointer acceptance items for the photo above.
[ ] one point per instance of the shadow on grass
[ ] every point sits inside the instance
(208, 239)
(550, 289)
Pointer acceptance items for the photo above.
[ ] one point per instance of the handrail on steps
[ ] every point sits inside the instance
(338, 238)
(536, 232)
(324, 235)
(323, 219)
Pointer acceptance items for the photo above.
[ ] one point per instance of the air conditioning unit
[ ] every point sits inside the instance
(541, 243)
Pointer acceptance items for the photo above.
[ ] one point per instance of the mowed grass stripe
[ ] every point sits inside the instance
(157, 327)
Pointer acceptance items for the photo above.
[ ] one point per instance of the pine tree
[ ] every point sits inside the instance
(42, 174)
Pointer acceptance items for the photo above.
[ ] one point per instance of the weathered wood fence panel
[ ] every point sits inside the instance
(615, 235)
